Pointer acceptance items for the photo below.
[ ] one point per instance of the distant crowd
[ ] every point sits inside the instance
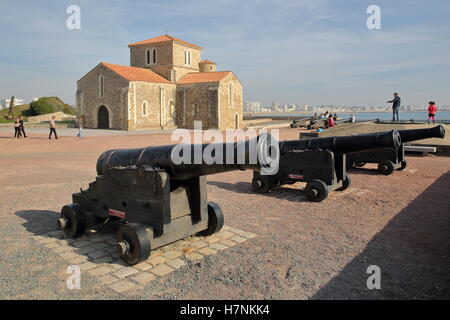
(330, 119)
(19, 129)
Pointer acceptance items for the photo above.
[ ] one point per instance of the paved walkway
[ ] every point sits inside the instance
(72, 132)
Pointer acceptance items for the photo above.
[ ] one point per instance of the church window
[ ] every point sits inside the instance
(144, 108)
(101, 86)
(187, 57)
(150, 56)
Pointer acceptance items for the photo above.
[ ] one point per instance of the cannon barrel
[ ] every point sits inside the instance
(345, 144)
(419, 134)
(240, 155)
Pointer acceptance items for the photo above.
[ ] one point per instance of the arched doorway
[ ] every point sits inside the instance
(103, 118)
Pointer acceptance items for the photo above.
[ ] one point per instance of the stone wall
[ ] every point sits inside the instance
(159, 112)
(115, 98)
(59, 116)
(198, 104)
(207, 67)
(138, 55)
(169, 56)
(230, 115)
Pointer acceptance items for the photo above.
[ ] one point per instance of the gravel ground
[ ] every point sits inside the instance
(303, 250)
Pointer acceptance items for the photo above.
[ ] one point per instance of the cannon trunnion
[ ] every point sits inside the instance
(391, 159)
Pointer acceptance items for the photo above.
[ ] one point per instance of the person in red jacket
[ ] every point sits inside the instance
(331, 123)
(432, 109)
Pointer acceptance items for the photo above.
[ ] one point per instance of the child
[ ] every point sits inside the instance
(80, 132)
(432, 109)
(331, 123)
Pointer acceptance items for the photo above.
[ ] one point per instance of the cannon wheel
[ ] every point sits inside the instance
(72, 220)
(133, 244)
(360, 164)
(261, 185)
(345, 183)
(316, 191)
(386, 167)
(215, 219)
(403, 165)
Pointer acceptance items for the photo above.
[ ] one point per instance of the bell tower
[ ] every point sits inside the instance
(168, 56)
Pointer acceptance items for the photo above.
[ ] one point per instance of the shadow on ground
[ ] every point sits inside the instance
(290, 194)
(365, 171)
(39, 222)
(97, 245)
(412, 251)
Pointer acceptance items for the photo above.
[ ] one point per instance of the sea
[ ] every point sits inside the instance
(364, 116)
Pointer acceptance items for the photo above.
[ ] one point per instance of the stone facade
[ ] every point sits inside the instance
(160, 105)
(115, 98)
(167, 86)
(230, 103)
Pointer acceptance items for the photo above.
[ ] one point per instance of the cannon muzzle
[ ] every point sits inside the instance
(184, 161)
(419, 134)
(346, 144)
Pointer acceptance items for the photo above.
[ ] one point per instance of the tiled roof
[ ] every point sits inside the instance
(202, 77)
(163, 38)
(207, 61)
(135, 74)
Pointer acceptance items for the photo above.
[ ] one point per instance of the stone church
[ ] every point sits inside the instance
(167, 86)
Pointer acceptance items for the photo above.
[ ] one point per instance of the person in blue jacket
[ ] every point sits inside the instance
(395, 106)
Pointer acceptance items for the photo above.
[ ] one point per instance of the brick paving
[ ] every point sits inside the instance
(94, 253)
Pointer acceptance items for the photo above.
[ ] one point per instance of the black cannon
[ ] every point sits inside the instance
(152, 199)
(390, 159)
(321, 162)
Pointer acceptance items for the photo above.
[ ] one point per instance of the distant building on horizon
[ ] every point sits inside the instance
(254, 106)
(4, 103)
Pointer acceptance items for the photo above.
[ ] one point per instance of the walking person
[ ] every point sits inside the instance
(17, 133)
(432, 109)
(80, 127)
(53, 128)
(22, 129)
(395, 106)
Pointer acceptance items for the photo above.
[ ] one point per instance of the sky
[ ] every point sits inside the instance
(315, 52)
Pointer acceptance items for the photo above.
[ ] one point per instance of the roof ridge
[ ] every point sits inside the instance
(203, 77)
(159, 39)
(141, 74)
